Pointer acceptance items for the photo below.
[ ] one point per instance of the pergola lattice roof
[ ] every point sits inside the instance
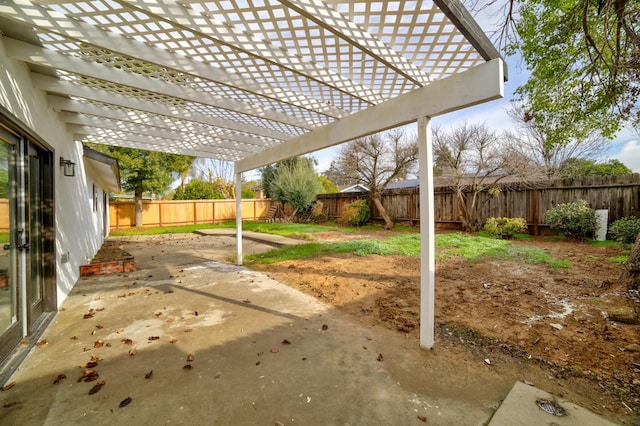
(249, 81)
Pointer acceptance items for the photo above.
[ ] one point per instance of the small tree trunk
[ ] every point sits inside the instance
(138, 207)
(388, 223)
(633, 266)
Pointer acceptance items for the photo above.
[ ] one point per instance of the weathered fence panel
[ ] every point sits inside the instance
(185, 212)
(618, 194)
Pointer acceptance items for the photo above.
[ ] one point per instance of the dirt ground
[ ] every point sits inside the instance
(569, 331)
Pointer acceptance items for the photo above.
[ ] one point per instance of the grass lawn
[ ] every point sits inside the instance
(404, 241)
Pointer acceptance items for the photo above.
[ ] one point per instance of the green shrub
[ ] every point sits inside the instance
(505, 227)
(573, 220)
(356, 213)
(318, 214)
(626, 230)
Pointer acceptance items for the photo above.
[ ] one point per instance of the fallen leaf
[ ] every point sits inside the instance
(99, 309)
(24, 341)
(151, 338)
(89, 364)
(133, 351)
(380, 357)
(190, 357)
(91, 377)
(422, 418)
(170, 320)
(159, 314)
(95, 358)
(120, 331)
(173, 340)
(188, 330)
(246, 301)
(325, 327)
(88, 315)
(60, 378)
(84, 374)
(42, 343)
(196, 313)
(274, 351)
(217, 376)
(73, 337)
(125, 402)
(188, 367)
(127, 341)
(148, 375)
(258, 363)
(97, 387)
(99, 326)
(98, 343)
(286, 342)
(62, 309)
(8, 386)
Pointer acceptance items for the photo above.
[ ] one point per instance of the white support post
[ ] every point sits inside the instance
(427, 234)
(239, 217)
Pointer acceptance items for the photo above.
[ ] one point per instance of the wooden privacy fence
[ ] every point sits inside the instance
(185, 212)
(620, 195)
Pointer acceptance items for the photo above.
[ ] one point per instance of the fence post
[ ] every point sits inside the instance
(536, 218)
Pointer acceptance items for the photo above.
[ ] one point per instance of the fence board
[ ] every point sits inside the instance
(185, 212)
(618, 194)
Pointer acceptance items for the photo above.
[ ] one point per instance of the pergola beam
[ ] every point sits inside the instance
(171, 137)
(37, 55)
(477, 85)
(53, 85)
(152, 120)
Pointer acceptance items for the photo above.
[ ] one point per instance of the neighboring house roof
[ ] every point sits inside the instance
(354, 188)
(105, 167)
(403, 184)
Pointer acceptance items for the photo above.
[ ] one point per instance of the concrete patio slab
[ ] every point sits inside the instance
(522, 407)
(191, 339)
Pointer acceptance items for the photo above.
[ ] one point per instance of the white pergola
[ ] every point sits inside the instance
(256, 81)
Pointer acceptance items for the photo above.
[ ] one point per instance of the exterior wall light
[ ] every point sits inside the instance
(68, 166)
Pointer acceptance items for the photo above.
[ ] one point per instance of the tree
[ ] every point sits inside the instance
(584, 59)
(197, 189)
(270, 172)
(580, 167)
(378, 160)
(218, 173)
(535, 145)
(473, 161)
(296, 184)
(326, 186)
(144, 171)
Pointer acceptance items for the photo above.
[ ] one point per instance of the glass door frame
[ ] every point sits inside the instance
(31, 319)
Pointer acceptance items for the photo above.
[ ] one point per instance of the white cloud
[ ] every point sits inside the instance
(630, 155)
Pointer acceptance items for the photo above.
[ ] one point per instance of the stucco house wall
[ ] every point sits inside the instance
(78, 229)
